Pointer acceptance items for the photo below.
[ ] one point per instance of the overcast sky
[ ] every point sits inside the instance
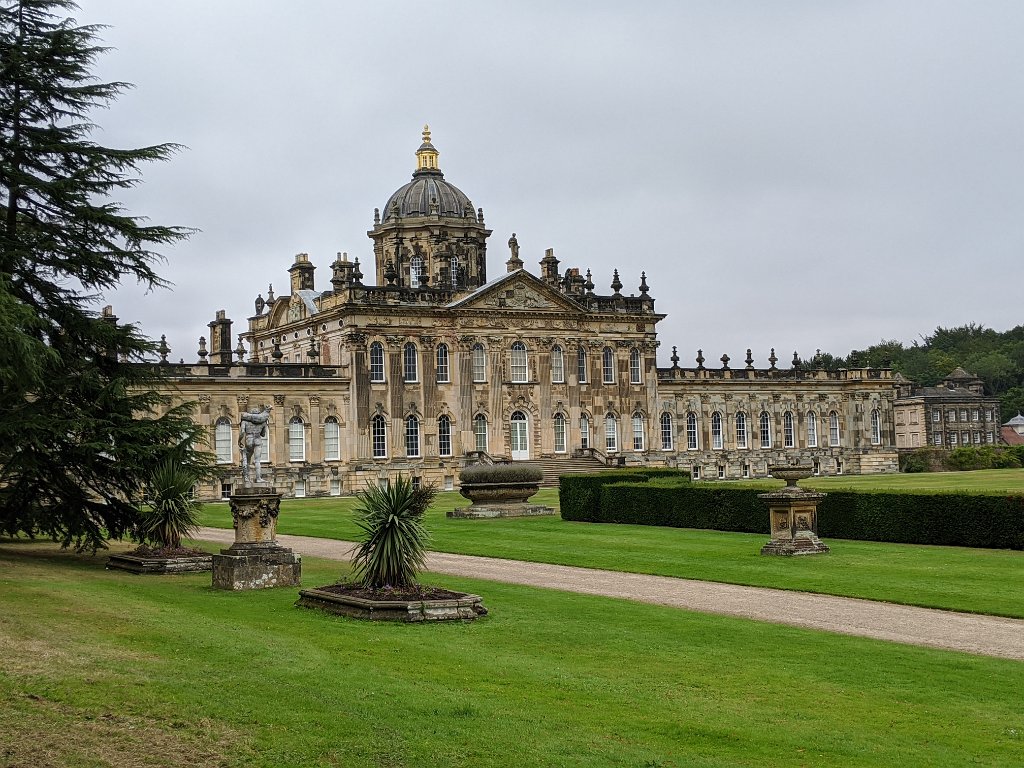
(797, 175)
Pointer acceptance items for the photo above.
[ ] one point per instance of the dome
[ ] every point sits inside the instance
(428, 194)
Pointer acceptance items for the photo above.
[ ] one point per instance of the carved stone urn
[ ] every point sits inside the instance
(793, 515)
(256, 560)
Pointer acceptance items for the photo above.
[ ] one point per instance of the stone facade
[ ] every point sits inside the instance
(436, 367)
(954, 414)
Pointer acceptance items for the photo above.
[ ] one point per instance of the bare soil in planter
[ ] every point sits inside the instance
(413, 592)
(144, 550)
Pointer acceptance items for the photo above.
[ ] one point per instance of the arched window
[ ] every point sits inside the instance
(412, 437)
(833, 428)
(876, 427)
(812, 429)
(611, 434)
(691, 431)
(789, 439)
(716, 430)
(519, 363)
(480, 432)
(638, 432)
(410, 368)
(332, 439)
(557, 365)
(296, 440)
(634, 366)
(741, 430)
(456, 272)
(584, 431)
(376, 361)
(444, 435)
(766, 430)
(581, 366)
(416, 269)
(443, 375)
(666, 432)
(379, 434)
(479, 363)
(559, 421)
(607, 366)
(222, 440)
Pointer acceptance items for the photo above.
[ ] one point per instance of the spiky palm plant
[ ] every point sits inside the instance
(394, 542)
(172, 512)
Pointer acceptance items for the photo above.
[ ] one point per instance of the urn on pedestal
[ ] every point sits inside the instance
(793, 513)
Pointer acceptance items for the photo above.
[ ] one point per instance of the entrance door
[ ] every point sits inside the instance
(519, 437)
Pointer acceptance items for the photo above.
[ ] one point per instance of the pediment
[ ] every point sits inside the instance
(517, 290)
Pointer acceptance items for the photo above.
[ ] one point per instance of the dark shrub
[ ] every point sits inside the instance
(501, 473)
(579, 495)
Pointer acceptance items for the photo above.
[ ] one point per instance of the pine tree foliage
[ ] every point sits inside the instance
(81, 422)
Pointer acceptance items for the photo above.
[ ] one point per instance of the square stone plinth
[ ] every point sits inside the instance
(256, 567)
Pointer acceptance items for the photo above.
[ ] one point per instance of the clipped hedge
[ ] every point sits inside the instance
(948, 519)
(501, 473)
(579, 495)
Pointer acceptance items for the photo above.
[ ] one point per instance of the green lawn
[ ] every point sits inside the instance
(957, 578)
(108, 669)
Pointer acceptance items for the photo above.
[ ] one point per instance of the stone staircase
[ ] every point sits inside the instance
(554, 467)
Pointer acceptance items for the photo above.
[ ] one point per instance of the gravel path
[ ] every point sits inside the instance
(984, 635)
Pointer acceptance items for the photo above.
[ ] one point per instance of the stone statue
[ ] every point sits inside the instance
(513, 245)
(251, 435)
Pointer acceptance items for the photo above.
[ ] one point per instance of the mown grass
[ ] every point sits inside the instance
(954, 578)
(105, 668)
(981, 481)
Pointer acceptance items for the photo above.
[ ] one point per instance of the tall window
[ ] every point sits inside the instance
(376, 361)
(666, 432)
(876, 427)
(412, 437)
(519, 363)
(584, 431)
(833, 428)
(787, 430)
(634, 366)
(559, 433)
(608, 366)
(480, 432)
(611, 434)
(766, 430)
(557, 365)
(444, 435)
(716, 430)
(456, 269)
(443, 375)
(415, 270)
(479, 363)
(638, 432)
(296, 440)
(812, 429)
(332, 439)
(741, 430)
(691, 431)
(222, 440)
(410, 369)
(379, 434)
(581, 366)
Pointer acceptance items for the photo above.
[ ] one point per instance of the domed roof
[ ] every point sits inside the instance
(428, 193)
(1016, 421)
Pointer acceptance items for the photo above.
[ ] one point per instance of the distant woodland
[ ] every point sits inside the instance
(997, 358)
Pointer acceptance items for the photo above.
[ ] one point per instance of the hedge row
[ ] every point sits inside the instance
(949, 519)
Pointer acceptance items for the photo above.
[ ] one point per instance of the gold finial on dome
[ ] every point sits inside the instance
(426, 155)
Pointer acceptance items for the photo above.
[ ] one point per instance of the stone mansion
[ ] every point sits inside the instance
(433, 366)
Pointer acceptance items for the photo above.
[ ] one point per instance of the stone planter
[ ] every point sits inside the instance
(160, 565)
(500, 500)
(793, 515)
(460, 606)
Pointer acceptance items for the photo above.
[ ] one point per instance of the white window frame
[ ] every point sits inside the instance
(667, 433)
(480, 432)
(520, 363)
(611, 434)
(741, 430)
(635, 376)
(812, 429)
(376, 362)
(638, 432)
(788, 430)
(607, 366)
(765, 429)
(717, 434)
(479, 358)
(876, 426)
(296, 439)
(584, 431)
(379, 436)
(335, 486)
(410, 363)
(581, 366)
(442, 370)
(692, 432)
(300, 489)
(416, 268)
(557, 365)
(412, 437)
(444, 435)
(559, 433)
(223, 441)
(835, 435)
(332, 439)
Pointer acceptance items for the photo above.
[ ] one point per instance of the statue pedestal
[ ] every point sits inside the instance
(256, 560)
(794, 517)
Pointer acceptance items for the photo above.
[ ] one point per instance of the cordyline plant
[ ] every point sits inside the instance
(173, 510)
(394, 543)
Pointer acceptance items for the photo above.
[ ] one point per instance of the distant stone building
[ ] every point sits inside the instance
(436, 366)
(954, 414)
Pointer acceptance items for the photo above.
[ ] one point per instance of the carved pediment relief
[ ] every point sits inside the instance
(520, 292)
